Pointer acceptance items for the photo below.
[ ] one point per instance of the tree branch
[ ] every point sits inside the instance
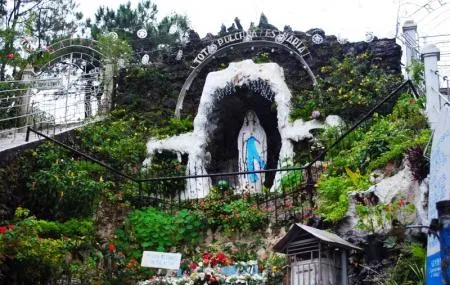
(31, 8)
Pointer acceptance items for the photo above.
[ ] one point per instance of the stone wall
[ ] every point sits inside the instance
(162, 93)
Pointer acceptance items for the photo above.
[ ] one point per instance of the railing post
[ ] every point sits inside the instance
(411, 43)
(140, 193)
(27, 137)
(431, 56)
(114, 93)
(27, 78)
(108, 88)
(310, 184)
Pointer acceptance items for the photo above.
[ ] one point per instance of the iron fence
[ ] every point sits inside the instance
(288, 197)
(48, 106)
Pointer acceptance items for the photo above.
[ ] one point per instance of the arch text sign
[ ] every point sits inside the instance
(285, 38)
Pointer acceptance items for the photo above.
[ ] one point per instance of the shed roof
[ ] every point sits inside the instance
(299, 229)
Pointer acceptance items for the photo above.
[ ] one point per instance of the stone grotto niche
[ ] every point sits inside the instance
(246, 136)
(242, 124)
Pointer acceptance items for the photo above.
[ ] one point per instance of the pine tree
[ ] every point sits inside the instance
(126, 21)
(44, 20)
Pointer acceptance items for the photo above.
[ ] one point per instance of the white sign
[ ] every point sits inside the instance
(48, 84)
(162, 260)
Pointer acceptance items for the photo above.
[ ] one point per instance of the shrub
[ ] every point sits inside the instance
(381, 140)
(150, 229)
(332, 194)
(62, 187)
(409, 267)
(356, 82)
(418, 163)
(174, 127)
(232, 213)
(36, 251)
(165, 164)
(119, 141)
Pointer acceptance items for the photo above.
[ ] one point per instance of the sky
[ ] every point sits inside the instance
(350, 19)
(347, 19)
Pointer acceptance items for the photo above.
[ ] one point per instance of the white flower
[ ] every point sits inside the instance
(201, 276)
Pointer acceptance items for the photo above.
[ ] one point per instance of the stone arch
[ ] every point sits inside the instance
(233, 104)
(255, 43)
(195, 144)
(238, 75)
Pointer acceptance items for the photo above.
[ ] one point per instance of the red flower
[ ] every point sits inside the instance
(401, 203)
(111, 248)
(221, 256)
(206, 258)
(193, 266)
(213, 262)
(11, 227)
(3, 230)
(132, 263)
(10, 56)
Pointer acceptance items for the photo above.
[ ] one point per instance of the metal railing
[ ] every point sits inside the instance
(170, 193)
(288, 193)
(442, 42)
(48, 106)
(444, 99)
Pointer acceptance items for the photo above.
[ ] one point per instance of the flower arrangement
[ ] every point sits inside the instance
(246, 279)
(209, 272)
(194, 279)
(204, 278)
(215, 259)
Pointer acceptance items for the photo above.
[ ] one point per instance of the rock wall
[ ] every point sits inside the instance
(162, 89)
(196, 144)
(401, 186)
